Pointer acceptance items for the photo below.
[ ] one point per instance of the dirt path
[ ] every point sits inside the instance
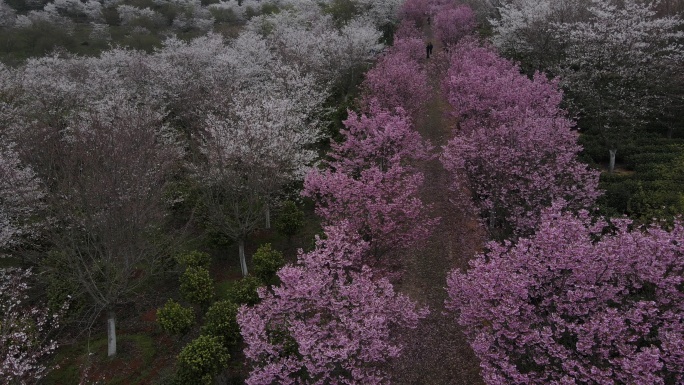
(436, 352)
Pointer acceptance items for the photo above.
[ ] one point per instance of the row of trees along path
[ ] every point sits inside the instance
(436, 352)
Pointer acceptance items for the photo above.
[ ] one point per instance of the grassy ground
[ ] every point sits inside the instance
(140, 357)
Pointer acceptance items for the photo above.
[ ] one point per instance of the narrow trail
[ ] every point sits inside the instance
(436, 352)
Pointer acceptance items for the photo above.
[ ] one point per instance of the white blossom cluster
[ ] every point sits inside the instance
(189, 13)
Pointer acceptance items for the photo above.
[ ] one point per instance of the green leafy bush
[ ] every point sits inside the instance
(290, 220)
(616, 199)
(223, 15)
(201, 360)
(267, 261)
(341, 11)
(645, 161)
(60, 291)
(173, 318)
(196, 285)
(244, 291)
(194, 259)
(220, 322)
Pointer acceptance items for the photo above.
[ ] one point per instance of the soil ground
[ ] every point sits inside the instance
(437, 352)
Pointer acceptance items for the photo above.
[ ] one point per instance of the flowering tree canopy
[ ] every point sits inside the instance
(377, 138)
(383, 207)
(619, 60)
(618, 64)
(452, 22)
(329, 321)
(24, 330)
(20, 199)
(577, 303)
(515, 150)
(306, 36)
(398, 79)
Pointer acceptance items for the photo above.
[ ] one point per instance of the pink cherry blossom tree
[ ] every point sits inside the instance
(330, 321)
(516, 149)
(398, 79)
(406, 29)
(415, 11)
(578, 302)
(382, 206)
(410, 46)
(452, 22)
(378, 138)
(25, 330)
(372, 183)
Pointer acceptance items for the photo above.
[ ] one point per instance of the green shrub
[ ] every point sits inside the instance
(201, 360)
(196, 285)
(341, 11)
(269, 9)
(290, 220)
(59, 291)
(194, 259)
(244, 291)
(173, 318)
(220, 321)
(250, 12)
(223, 15)
(267, 261)
(647, 160)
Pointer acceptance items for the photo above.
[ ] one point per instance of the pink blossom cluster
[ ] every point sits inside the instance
(415, 11)
(329, 322)
(577, 303)
(452, 19)
(399, 78)
(383, 207)
(379, 137)
(452, 22)
(515, 149)
(371, 184)
(407, 30)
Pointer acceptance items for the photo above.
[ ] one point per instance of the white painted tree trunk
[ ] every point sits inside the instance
(491, 219)
(243, 260)
(111, 335)
(611, 164)
(268, 217)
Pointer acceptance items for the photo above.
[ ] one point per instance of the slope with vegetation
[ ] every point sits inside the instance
(433, 220)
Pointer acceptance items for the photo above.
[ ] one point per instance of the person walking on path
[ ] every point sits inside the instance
(428, 49)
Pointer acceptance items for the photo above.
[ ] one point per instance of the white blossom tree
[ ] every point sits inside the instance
(524, 30)
(617, 64)
(8, 15)
(109, 206)
(310, 38)
(616, 59)
(25, 330)
(99, 134)
(263, 141)
(21, 197)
